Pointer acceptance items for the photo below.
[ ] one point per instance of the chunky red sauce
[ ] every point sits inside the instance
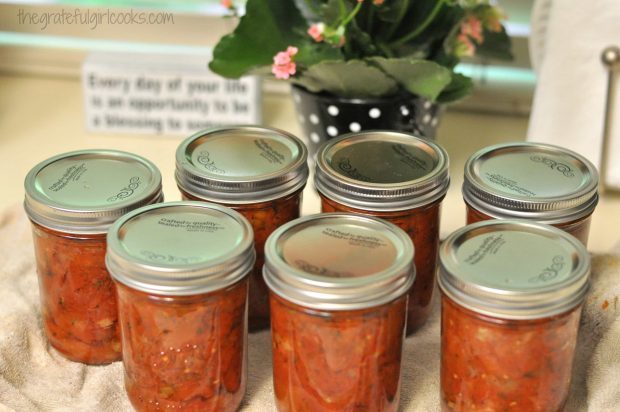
(265, 217)
(185, 352)
(490, 364)
(579, 228)
(337, 360)
(78, 297)
(422, 226)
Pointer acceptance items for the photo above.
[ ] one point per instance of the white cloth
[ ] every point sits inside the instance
(570, 96)
(34, 377)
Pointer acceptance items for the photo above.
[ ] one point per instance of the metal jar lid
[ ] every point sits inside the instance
(514, 269)
(84, 192)
(180, 248)
(541, 182)
(240, 165)
(339, 261)
(382, 171)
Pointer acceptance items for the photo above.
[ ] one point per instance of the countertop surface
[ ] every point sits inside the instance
(41, 117)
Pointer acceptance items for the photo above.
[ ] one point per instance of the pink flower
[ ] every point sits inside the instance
(378, 2)
(316, 31)
(283, 71)
(283, 65)
(464, 46)
(472, 27)
(227, 3)
(281, 59)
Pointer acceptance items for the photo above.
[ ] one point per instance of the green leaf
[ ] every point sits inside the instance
(354, 78)
(269, 26)
(421, 77)
(496, 45)
(459, 87)
(360, 42)
(311, 52)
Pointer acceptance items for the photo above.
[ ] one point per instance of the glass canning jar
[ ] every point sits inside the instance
(181, 270)
(257, 171)
(72, 199)
(512, 294)
(533, 181)
(339, 288)
(397, 177)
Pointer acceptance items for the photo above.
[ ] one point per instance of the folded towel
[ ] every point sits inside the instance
(34, 377)
(570, 96)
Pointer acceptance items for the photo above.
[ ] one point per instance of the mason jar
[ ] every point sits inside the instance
(257, 171)
(72, 199)
(397, 177)
(512, 297)
(181, 270)
(339, 288)
(533, 181)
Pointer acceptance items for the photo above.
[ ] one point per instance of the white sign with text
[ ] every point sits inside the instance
(163, 94)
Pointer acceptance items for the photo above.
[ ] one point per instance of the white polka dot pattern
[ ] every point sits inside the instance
(355, 127)
(322, 118)
(374, 113)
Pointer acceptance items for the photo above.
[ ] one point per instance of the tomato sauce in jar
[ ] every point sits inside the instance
(257, 171)
(72, 199)
(397, 177)
(181, 270)
(533, 181)
(339, 288)
(512, 295)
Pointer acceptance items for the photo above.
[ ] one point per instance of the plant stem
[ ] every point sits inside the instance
(421, 27)
(353, 13)
(370, 20)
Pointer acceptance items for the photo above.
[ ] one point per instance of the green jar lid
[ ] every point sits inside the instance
(240, 165)
(339, 261)
(514, 269)
(541, 182)
(382, 171)
(84, 192)
(180, 248)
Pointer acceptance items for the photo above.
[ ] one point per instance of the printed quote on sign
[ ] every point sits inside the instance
(177, 103)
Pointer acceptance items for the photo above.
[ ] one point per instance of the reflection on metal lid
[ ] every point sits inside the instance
(531, 180)
(86, 191)
(382, 170)
(180, 248)
(339, 261)
(242, 164)
(514, 269)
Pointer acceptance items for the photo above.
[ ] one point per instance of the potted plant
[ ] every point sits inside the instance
(363, 64)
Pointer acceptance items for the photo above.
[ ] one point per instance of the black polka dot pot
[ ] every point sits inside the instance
(323, 116)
